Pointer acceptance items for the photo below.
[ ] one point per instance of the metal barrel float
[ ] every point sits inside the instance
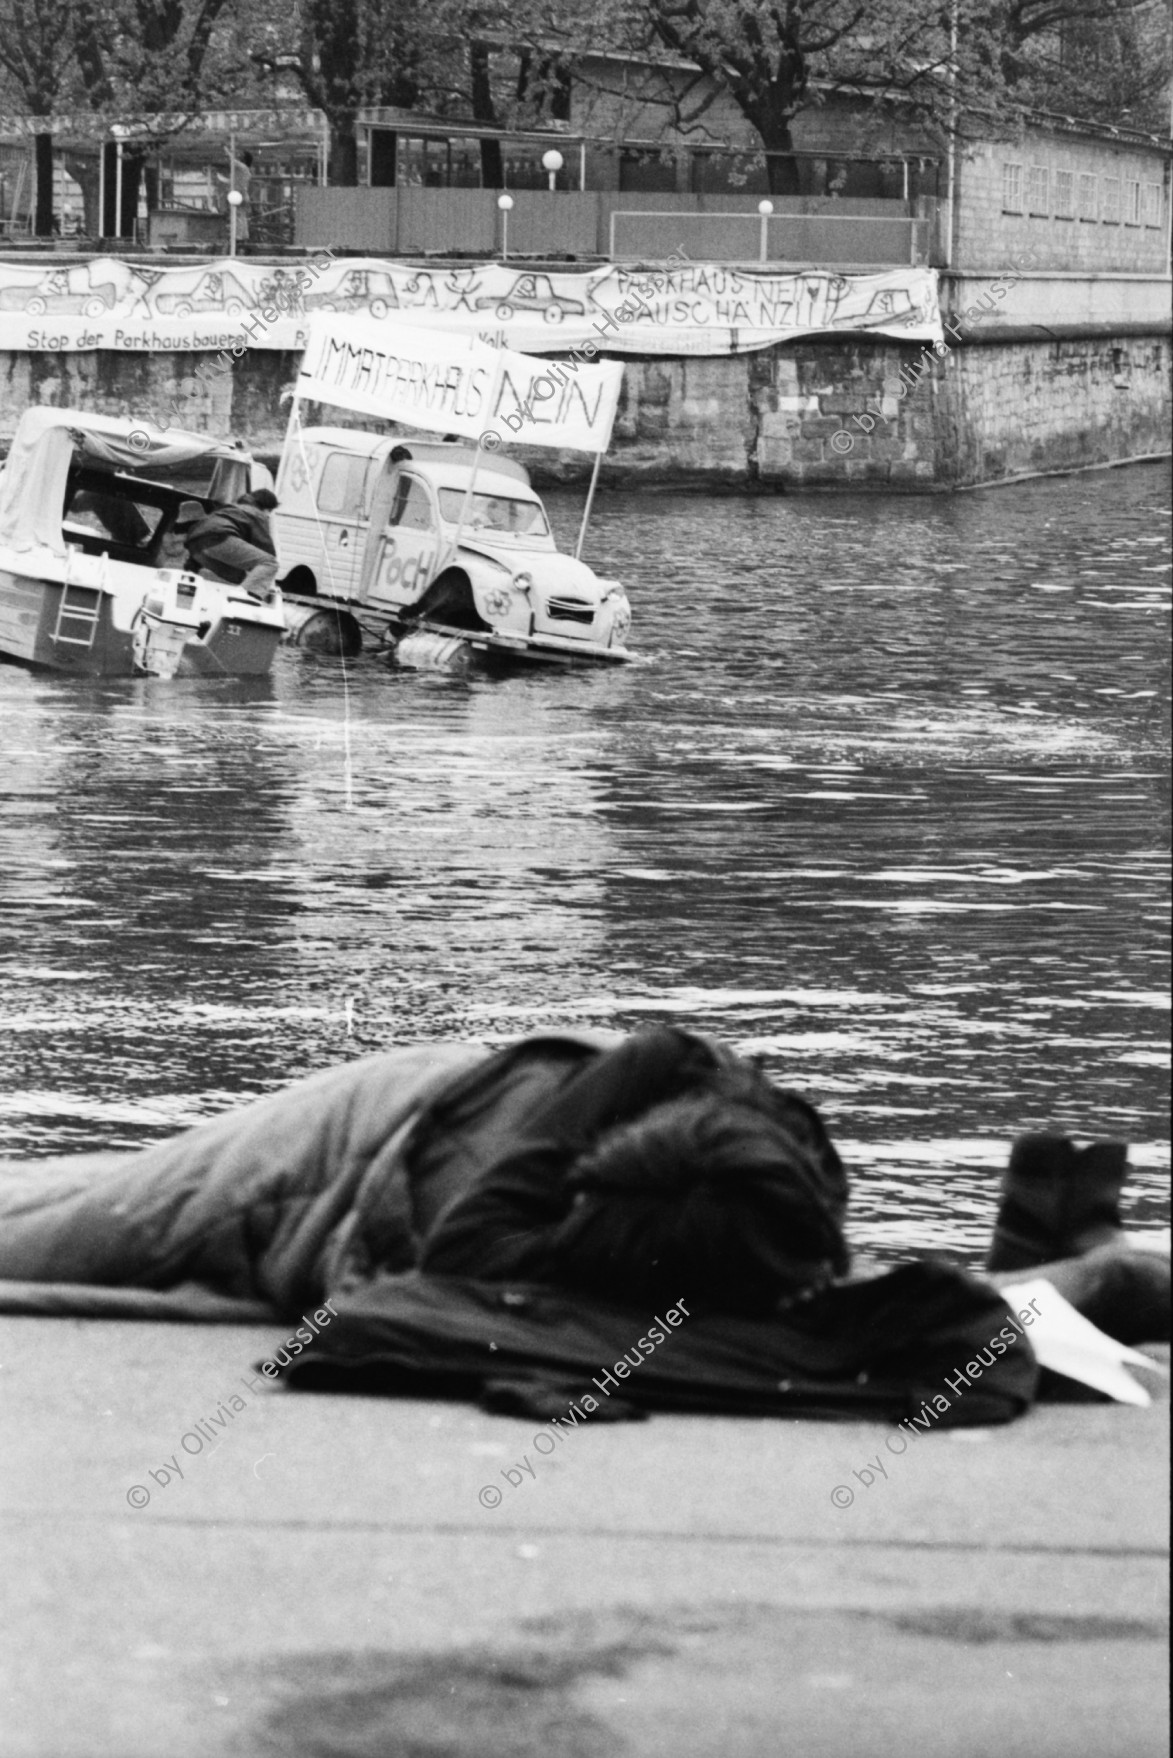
(425, 651)
(322, 628)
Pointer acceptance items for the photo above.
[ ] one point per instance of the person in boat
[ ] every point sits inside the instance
(234, 545)
(626, 1172)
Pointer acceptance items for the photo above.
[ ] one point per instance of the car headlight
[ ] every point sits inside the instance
(523, 582)
(620, 613)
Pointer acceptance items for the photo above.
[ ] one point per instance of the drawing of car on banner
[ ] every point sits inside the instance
(53, 294)
(360, 290)
(215, 291)
(892, 305)
(532, 293)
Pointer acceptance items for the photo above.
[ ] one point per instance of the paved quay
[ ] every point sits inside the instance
(323, 1581)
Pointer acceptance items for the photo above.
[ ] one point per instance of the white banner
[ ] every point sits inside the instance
(449, 383)
(441, 382)
(239, 303)
(556, 402)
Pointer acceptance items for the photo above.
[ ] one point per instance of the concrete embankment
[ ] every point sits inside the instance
(324, 1578)
(1039, 371)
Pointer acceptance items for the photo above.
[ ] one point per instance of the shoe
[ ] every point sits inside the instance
(1058, 1201)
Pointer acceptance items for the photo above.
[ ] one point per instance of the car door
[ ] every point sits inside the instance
(341, 525)
(411, 541)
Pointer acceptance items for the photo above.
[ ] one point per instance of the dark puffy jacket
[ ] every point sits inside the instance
(230, 541)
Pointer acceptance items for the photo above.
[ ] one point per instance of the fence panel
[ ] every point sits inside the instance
(347, 219)
(847, 240)
(806, 239)
(447, 220)
(564, 223)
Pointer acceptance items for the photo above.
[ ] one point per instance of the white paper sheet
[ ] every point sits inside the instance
(1066, 1342)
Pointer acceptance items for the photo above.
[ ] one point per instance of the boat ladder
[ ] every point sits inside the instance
(78, 613)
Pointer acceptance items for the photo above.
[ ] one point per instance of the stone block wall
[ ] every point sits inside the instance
(845, 414)
(1009, 409)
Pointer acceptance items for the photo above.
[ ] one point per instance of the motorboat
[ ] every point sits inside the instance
(94, 578)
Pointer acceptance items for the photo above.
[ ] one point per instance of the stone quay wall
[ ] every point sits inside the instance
(831, 413)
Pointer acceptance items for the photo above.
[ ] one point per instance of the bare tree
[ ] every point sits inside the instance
(960, 66)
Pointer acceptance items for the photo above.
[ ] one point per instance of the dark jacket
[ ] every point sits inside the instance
(230, 541)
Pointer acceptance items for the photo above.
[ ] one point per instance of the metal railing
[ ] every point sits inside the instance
(841, 239)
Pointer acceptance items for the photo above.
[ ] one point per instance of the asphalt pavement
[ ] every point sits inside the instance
(197, 1564)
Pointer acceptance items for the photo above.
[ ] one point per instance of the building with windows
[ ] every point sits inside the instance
(1078, 196)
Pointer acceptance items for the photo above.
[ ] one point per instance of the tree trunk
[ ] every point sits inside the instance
(43, 164)
(483, 110)
(343, 171)
(781, 166)
(492, 165)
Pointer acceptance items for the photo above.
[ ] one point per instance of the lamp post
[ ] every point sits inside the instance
(119, 131)
(504, 202)
(765, 209)
(552, 164)
(235, 200)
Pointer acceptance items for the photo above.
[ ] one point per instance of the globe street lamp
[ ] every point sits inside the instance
(765, 209)
(504, 202)
(552, 164)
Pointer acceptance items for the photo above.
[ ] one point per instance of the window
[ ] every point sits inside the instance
(646, 169)
(1064, 195)
(1132, 202)
(1110, 211)
(1089, 196)
(1011, 188)
(1038, 190)
(341, 485)
(490, 512)
(1152, 204)
(411, 507)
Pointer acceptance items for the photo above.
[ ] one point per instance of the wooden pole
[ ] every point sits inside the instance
(586, 512)
(464, 506)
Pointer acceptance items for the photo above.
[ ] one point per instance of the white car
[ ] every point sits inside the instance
(404, 535)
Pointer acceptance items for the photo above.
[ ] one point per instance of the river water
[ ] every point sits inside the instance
(884, 800)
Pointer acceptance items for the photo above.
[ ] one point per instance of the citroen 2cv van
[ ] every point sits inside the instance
(407, 538)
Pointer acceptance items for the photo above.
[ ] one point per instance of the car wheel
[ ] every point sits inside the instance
(449, 601)
(37, 307)
(183, 309)
(94, 308)
(553, 314)
(379, 308)
(504, 312)
(235, 308)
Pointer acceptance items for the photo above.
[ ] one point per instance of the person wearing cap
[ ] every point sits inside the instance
(234, 544)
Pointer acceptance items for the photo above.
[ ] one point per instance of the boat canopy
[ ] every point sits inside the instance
(48, 442)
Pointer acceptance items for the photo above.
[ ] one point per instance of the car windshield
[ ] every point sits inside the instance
(494, 512)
